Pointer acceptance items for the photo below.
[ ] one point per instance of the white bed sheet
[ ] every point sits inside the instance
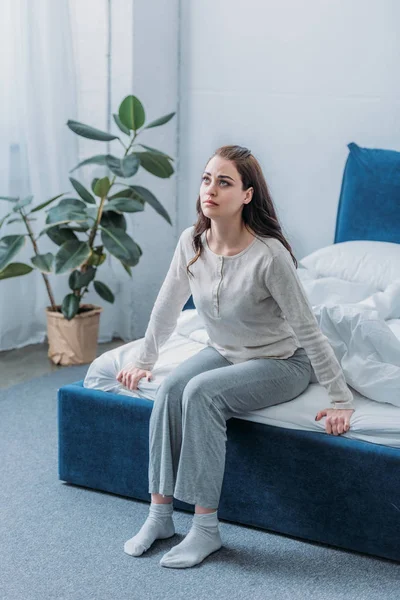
(374, 422)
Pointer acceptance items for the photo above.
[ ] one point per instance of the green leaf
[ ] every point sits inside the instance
(92, 133)
(94, 182)
(21, 203)
(59, 235)
(60, 224)
(15, 220)
(97, 257)
(3, 219)
(150, 149)
(148, 197)
(92, 211)
(15, 270)
(156, 164)
(68, 209)
(102, 187)
(127, 192)
(131, 113)
(78, 280)
(113, 219)
(124, 167)
(121, 125)
(99, 159)
(160, 121)
(46, 203)
(10, 245)
(73, 280)
(82, 191)
(74, 203)
(127, 268)
(120, 245)
(104, 291)
(80, 227)
(123, 205)
(71, 255)
(44, 262)
(83, 226)
(65, 216)
(70, 306)
(87, 276)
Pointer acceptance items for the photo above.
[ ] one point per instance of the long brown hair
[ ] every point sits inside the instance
(259, 213)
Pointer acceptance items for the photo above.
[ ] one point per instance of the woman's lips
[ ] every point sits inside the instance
(210, 203)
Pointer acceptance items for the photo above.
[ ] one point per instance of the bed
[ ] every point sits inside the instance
(283, 473)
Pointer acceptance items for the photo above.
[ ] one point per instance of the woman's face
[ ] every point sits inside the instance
(222, 184)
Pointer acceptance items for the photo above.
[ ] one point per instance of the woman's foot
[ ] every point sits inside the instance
(158, 526)
(202, 539)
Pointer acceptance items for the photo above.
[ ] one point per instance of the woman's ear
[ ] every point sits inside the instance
(249, 194)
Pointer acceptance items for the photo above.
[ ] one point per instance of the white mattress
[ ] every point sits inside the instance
(372, 421)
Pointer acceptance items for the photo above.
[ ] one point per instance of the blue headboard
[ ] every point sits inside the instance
(369, 202)
(189, 304)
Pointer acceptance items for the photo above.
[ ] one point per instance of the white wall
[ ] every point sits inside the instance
(295, 82)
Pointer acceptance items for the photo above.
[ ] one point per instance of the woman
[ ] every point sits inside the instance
(245, 286)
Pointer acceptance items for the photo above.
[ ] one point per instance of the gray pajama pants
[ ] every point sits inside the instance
(187, 434)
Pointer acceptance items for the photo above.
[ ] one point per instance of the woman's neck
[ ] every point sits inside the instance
(223, 240)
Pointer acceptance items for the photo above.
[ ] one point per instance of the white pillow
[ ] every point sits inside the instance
(361, 261)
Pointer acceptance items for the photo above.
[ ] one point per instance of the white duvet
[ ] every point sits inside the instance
(357, 321)
(361, 323)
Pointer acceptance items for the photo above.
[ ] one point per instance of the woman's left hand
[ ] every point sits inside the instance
(337, 419)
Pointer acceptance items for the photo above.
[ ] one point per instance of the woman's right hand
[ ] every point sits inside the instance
(130, 375)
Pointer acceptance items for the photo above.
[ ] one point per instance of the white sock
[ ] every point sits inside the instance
(158, 526)
(202, 539)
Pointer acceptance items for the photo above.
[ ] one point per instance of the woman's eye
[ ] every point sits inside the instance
(205, 177)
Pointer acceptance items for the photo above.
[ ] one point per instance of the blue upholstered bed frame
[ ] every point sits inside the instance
(313, 486)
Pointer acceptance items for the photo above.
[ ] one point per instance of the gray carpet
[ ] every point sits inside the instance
(60, 541)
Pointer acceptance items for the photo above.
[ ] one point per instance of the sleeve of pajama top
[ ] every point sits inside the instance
(172, 297)
(286, 288)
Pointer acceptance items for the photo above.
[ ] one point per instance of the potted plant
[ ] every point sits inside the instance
(85, 228)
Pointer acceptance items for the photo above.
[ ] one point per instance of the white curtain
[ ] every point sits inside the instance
(37, 150)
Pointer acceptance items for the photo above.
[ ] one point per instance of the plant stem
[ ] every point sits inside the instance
(36, 250)
(100, 211)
